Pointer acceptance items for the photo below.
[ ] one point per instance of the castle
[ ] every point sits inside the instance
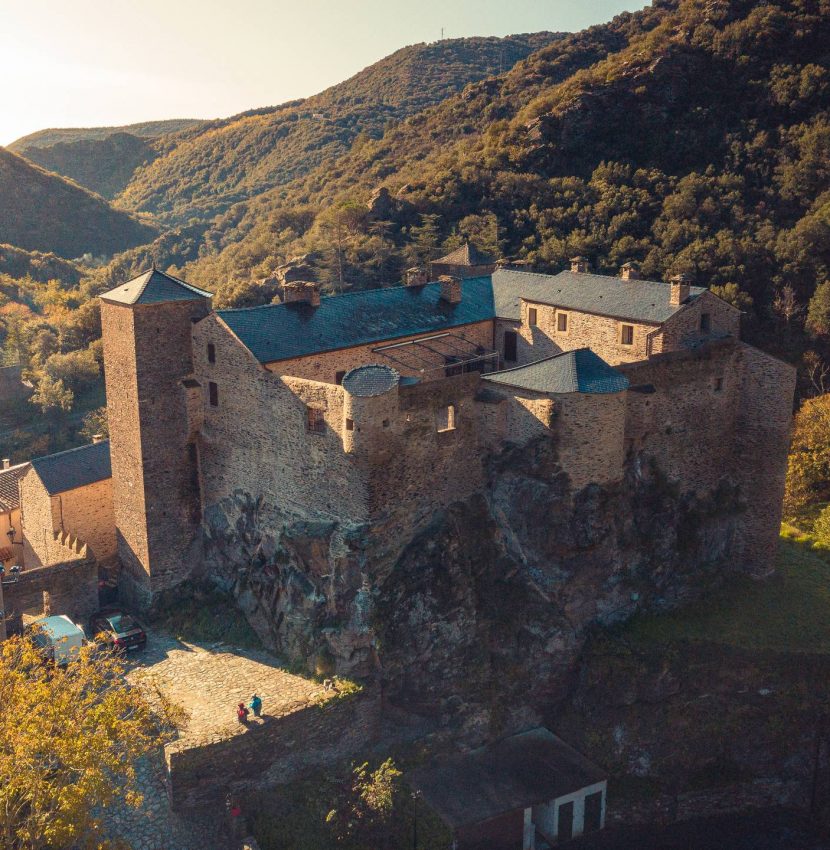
(291, 452)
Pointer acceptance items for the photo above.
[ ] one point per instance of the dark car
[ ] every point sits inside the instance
(122, 630)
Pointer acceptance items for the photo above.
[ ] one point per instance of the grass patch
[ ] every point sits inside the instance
(209, 618)
(789, 612)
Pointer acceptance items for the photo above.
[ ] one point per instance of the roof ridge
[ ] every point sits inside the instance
(350, 293)
(543, 360)
(68, 451)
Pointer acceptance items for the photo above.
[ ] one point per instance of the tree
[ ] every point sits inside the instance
(732, 294)
(808, 474)
(818, 310)
(95, 422)
(69, 742)
(52, 396)
(366, 804)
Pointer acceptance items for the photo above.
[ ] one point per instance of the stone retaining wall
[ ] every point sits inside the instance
(278, 750)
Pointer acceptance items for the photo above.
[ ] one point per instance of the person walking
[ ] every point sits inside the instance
(255, 705)
(242, 713)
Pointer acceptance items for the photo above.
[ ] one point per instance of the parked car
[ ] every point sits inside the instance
(59, 638)
(120, 629)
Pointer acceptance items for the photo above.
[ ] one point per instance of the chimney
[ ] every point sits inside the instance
(6, 463)
(679, 289)
(579, 265)
(630, 271)
(301, 292)
(450, 289)
(97, 438)
(416, 276)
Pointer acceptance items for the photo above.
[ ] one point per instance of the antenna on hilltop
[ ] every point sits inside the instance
(442, 33)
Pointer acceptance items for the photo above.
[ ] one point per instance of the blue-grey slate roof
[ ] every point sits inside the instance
(637, 300)
(154, 287)
(74, 468)
(281, 331)
(578, 371)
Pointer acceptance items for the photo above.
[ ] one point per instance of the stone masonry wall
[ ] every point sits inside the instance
(87, 513)
(69, 588)
(39, 518)
(418, 362)
(684, 326)
(147, 354)
(279, 750)
(599, 333)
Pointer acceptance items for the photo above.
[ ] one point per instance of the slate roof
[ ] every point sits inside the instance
(638, 300)
(74, 468)
(370, 380)
(514, 773)
(577, 371)
(466, 255)
(154, 287)
(280, 331)
(9, 491)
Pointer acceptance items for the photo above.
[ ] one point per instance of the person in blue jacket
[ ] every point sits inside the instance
(255, 705)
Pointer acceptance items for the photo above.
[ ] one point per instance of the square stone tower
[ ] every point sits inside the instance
(147, 334)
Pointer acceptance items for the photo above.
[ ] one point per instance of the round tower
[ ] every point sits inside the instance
(370, 407)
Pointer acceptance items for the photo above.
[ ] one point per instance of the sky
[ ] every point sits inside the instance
(89, 63)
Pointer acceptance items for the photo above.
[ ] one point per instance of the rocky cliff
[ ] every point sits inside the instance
(480, 614)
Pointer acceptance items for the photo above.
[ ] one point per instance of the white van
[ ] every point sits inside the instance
(59, 637)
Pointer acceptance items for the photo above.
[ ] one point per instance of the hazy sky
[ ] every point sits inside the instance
(83, 63)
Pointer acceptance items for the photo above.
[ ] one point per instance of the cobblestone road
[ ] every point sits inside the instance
(207, 682)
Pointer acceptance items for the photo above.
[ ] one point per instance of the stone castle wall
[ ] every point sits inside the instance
(87, 513)
(684, 326)
(70, 588)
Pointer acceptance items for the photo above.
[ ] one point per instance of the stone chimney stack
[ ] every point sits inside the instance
(630, 271)
(579, 265)
(416, 276)
(450, 289)
(6, 463)
(680, 285)
(301, 292)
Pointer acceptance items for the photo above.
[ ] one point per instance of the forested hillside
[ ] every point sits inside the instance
(207, 169)
(40, 211)
(699, 143)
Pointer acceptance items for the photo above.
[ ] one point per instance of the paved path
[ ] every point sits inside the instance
(207, 682)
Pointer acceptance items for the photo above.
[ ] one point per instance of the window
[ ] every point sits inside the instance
(532, 315)
(718, 384)
(314, 421)
(562, 323)
(350, 424)
(211, 353)
(705, 323)
(385, 423)
(510, 339)
(338, 377)
(566, 821)
(446, 418)
(593, 812)
(627, 334)
(213, 393)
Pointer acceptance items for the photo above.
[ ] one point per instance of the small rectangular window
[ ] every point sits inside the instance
(213, 392)
(705, 323)
(718, 384)
(338, 377)
(350, 424)
(510, 339)
(627, 334)
(562, 323)
(532, 315)
(446, 418)
(211, 353)
(315, 423)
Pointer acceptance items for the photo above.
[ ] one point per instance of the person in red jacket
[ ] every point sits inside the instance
(242, 713)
